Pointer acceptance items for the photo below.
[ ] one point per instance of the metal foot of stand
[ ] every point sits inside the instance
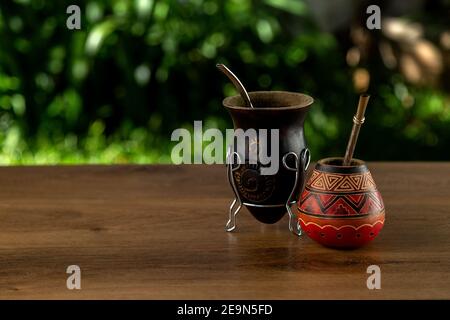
(301, 163)
(236, 205)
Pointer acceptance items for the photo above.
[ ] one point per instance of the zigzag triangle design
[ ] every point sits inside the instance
(376, 202)
(326, 199)
(357, 180)
(326, 204)
(368, 182)
(341, 207)
(356, 199)
(371, 206)
(333, 180)
(319, 183)
(310, 204)
(314, 176)
(305, 196)
(341, 183)
(376, 197)
(345, 185)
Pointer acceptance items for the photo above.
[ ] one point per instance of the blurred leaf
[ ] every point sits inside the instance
(98, 35)
(292, 6)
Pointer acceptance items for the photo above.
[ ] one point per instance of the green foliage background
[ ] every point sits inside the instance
(113, 91)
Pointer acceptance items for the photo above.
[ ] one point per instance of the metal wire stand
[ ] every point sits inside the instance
(301, 163)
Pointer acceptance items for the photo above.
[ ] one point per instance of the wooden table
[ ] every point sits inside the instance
(157, 232)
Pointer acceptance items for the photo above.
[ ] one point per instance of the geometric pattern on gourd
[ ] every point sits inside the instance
(368, 182)
(341, 183)
(342, 205)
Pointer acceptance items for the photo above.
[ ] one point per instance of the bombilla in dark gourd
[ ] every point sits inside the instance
(358, 120)
(237, 83)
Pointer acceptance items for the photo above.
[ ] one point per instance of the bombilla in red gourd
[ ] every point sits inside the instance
(237, 83)
(358, 120)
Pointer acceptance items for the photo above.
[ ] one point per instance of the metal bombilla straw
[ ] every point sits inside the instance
(237, 83)
(358, 120)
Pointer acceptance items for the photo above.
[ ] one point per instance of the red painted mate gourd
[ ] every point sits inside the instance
(340, 205)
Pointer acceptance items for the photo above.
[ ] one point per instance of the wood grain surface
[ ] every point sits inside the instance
(157, 232)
